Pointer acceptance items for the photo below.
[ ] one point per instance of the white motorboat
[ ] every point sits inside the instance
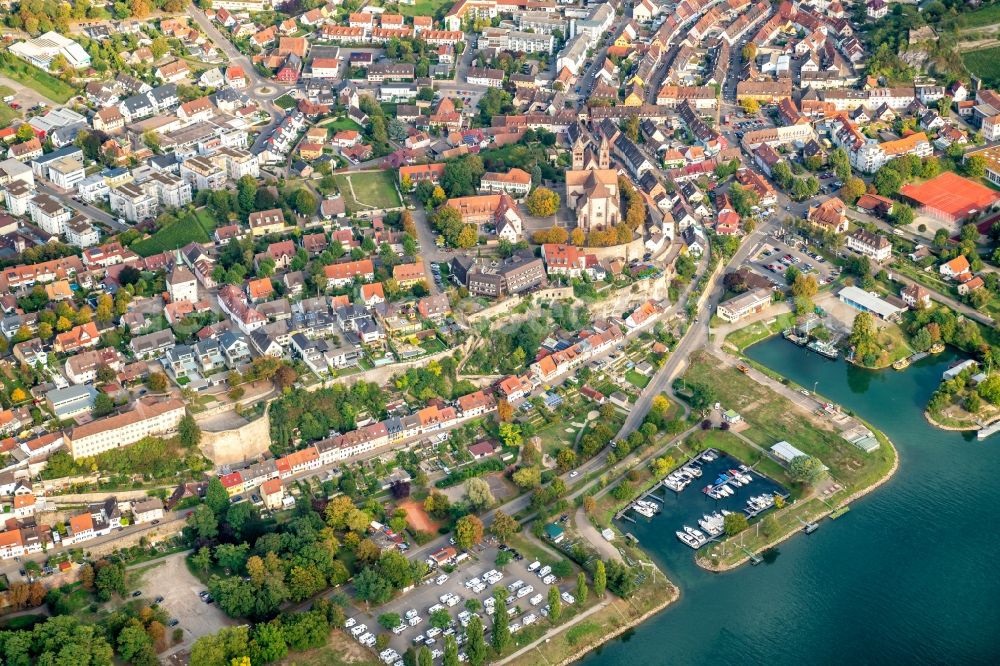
(687, 539)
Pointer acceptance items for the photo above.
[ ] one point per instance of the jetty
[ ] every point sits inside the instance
(986, 431)
(754, 559)
(791, 336)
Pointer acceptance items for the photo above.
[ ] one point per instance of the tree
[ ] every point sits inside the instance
(600, 579)
(437, 504)
(135, 645)
(476, 650)
(440, 619)
(975, 166)
(371, 587)
(204, 523)
(505, 411)
(424, 656)
(268, 644)
(750, 51)
(510, 434)
(503, 558)
(555, 604)
(989, 389)
(468, 532)
(467, 237)
(735, 523)
(750, 106)
(25, 132)
(804, 286)
(391, 620)
(805, 469)
(864, 338)
(189, 432)
(902, 214)
(305, 202)
(566, 459)
(450, 652)
(501, 621)
(581, 589)
(478, 493)
(232, 556)
(504, 526)
(543, 202)
(216, 496)
(527, 477)
(852, 190)
(110, 579)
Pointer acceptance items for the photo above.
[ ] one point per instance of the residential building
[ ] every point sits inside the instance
(871, 245)
(146, 419)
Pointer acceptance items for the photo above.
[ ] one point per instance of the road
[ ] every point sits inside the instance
(95, 214)
(261, 89)
(11, 567)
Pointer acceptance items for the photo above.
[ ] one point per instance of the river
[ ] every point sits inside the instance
(905, 577)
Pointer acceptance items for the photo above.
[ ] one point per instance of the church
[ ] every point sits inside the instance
(592, 186)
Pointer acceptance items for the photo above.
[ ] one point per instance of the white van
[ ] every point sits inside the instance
(534, 565)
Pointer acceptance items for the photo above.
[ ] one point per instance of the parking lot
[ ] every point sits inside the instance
(451, 593)
(179, 589)
(774, 258)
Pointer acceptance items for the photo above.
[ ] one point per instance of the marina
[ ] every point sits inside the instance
(941, 602)
(699, 517)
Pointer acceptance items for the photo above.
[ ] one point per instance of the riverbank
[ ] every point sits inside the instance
(888, 573)
(707, 566)
(573, 640)
(771, 411)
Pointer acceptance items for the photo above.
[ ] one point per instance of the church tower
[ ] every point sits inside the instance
(604, 153)
(579, 150)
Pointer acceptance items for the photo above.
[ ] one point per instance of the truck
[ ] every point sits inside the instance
(742, 368)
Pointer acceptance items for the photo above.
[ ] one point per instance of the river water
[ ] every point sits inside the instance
(905, 577)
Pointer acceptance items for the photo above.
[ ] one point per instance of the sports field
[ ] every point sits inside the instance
(368, 190)
(950, 194)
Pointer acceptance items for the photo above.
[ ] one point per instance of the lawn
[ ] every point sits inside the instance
(344, 124)
(423, 7)
(285, 102)
(36, 79)
(192, 228)
(433, 346)
(754, 333)
(7, 114)
(637, 379)
(368, 190)
(984, 63)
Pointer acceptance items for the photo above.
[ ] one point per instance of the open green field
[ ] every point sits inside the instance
(772, 419)
(423, 7)
(36, 79)
(984, 63)
(193, 228)
(757, 331)
(986, 16)
(368, 190)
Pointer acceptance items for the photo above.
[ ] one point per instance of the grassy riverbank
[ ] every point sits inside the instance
(771, 417)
